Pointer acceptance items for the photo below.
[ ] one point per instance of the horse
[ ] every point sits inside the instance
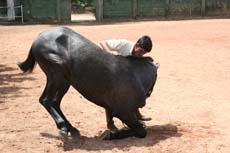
(118, 84)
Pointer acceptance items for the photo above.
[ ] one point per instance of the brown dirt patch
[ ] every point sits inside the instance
(189, 106)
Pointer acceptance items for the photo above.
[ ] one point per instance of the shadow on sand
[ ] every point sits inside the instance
(156, 134)
(10, 77)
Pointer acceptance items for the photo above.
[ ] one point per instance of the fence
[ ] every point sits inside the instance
(164, 8)
(7, 11)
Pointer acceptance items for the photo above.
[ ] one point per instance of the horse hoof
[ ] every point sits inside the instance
(75, 134)
(63, 134)
(106, 135)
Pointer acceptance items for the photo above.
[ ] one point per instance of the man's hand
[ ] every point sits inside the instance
(104, 46)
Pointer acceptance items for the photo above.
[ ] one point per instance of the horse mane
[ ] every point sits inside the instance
(147, 59)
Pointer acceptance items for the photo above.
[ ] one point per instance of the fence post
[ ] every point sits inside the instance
(167, 6)
(58, 9)
(225, 6)
(99, 10)
(134, 9)
(10, 10)
(203, 4)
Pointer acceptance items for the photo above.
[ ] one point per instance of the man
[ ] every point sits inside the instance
(125, 48)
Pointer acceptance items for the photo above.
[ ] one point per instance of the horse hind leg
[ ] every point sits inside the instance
(55, 89)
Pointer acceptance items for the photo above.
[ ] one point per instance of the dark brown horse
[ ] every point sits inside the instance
(118, 84)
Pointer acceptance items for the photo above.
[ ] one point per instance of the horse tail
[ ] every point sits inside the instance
(29, 64)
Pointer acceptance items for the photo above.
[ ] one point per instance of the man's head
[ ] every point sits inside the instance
(143, 45)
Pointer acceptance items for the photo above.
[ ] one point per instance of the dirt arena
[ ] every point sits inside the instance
(190, 105)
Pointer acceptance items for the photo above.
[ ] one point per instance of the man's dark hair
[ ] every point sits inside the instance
(145, 42)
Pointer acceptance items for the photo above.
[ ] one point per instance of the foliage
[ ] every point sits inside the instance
(84, 3)
(81, 6)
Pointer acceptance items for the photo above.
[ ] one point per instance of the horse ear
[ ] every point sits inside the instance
(63, 40)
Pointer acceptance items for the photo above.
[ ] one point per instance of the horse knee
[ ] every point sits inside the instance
(137, 127)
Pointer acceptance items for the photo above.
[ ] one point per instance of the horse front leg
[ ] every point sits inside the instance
(135, 128)
(109, 119)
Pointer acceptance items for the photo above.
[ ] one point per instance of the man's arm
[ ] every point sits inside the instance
(104, 46)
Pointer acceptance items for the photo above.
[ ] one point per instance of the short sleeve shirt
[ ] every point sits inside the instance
(121, 46)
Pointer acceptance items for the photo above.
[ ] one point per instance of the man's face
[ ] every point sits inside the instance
(138, 51)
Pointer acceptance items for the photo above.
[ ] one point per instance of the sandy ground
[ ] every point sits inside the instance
(190, 105)
(83, 17)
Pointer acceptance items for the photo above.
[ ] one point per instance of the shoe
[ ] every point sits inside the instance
(157, 65)
(145, 118)
(142, 117)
